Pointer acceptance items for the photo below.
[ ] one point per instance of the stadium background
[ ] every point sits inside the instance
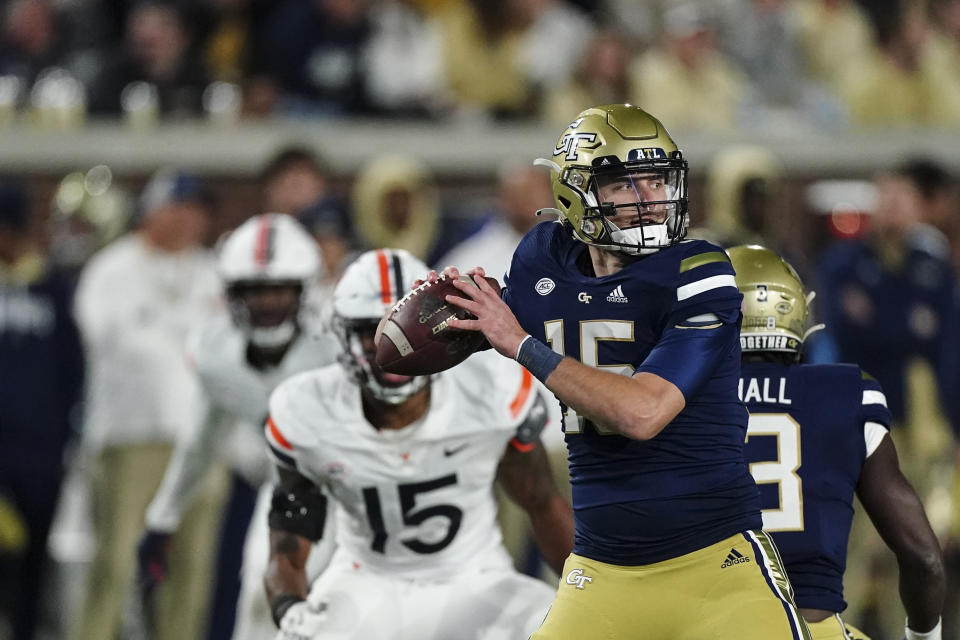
(466, 142)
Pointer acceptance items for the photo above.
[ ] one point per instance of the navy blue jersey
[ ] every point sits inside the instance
(637, 502)
(810, 428)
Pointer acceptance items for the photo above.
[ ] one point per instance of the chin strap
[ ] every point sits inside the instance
(544, 162)
(813, 329)
(817, 327)
(550, 211)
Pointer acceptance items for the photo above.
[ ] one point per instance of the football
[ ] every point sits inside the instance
(415, 340)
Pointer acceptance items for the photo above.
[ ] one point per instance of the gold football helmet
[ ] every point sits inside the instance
(619, 149)
(776, 307)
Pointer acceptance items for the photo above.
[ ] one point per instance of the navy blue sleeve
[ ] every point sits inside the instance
(874, 402)
(687, 357)
(706, 285)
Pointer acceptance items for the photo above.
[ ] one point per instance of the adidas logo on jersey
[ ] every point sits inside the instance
(734, 557)
(617, 295)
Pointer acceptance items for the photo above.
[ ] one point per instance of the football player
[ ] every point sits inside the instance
(636, 332)
(411, 461)
(818, 434)
(268, 265)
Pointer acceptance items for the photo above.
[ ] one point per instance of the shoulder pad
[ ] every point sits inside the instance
(498, 386)
(287, 430)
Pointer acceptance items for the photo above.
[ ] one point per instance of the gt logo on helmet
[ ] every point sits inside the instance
(570, 141)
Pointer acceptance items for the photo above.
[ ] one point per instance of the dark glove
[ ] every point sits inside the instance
(152, 558)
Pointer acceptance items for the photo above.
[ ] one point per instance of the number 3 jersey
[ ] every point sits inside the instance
(674, 313)
(811, 429)
(417, 501)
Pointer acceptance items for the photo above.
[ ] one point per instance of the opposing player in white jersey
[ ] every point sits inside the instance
(268, 265)
(411, 461)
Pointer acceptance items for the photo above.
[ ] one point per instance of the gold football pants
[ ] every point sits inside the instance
(735, 589)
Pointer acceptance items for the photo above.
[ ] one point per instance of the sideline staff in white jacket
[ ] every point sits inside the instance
(136, 301)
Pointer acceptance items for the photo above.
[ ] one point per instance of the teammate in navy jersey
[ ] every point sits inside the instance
(636, 332)
(817, 435)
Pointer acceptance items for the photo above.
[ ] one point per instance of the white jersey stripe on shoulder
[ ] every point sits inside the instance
(713, 282)
(873, 433)
(874, 397)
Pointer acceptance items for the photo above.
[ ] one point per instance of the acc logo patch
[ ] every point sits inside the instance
(544, 286)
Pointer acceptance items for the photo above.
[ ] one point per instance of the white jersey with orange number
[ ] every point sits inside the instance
(418, 501)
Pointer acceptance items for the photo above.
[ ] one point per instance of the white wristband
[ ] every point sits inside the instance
(933, 634)
(520, 346)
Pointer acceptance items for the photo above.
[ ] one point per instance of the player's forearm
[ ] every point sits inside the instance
(190, 461)
(286, 570)
(527, 479)
(637, 407)
(922, 588)
(553, 529)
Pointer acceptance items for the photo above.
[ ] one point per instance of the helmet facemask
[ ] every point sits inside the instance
(358, 357)
(635, 207)
(267, 312)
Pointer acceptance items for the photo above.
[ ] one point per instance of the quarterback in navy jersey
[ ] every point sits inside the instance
(636, 332)
(818, 434)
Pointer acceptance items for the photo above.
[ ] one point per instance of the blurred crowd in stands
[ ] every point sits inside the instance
(711, 65)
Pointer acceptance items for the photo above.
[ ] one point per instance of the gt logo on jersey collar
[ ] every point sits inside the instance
(584, 297)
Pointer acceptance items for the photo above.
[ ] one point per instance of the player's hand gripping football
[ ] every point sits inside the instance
(494, 317)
